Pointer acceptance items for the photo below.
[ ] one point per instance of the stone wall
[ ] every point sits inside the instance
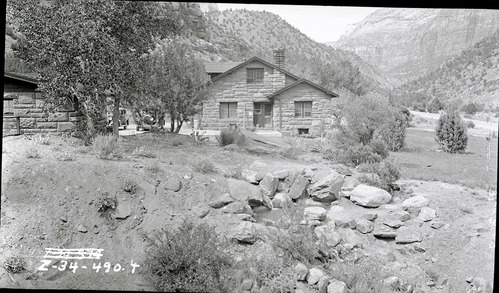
(233, 88)
(322, 110)
(28, 106)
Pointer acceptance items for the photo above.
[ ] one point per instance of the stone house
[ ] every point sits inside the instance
(256, 94)
(23, 109)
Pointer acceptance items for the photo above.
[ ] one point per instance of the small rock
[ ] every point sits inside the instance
(188, 176)
(322, 284)
(345, 194)
(392, 282)
(301, 271)
(384, 232)
(469, 279)
(480, 285)
(281, 174)
(245, 232)
(364, 226)
(281, 200)
(407, 235)
(370, 216)
(299, 187)
(123, 211)
(352, 224)
(201, 211)
(237, 207)
(336, 286)
(419, 248)
(427, 214)
(247, 284)
(348, 246)
(268, 185)
(402, 215)
(415, 203)
(221, 201)
(64, 219)
(314, 213)
(172, 184)
(249, 176)
(430, 283)
(314, 275)
(393, 223)
(81, 228)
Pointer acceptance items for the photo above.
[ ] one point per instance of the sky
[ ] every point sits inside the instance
(320, 23)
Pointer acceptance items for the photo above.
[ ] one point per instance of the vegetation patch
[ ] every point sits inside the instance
(143, 152)
(106, 205)
(190, 258)
(14, 264)
(32, 153)
(203, 165)
(107, 147)
(451, 132)
(129, 185)
(66, 156)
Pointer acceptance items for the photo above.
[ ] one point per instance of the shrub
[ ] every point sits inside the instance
(42, 139)
(176, 141)
(190, 258)
(230, 136)
(470, 124)
(14, 265)
(393, 132)
(451, 132)
(32, 153)
(435, 105)
(142, 152)
(129, 185)
(106, 205)
(107, 147)
(154, 168)
(382, 174)
(471, 108)
(203, 165)
(234, 173)
(66, 156)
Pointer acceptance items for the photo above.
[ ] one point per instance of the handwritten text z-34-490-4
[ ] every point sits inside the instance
(105, 267)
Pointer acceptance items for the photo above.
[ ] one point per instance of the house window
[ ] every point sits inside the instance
(303, 109)
(254, 75)
(302, 131)
(228, 110)
(8, 107)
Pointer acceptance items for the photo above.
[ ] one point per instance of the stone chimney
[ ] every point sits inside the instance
(279, 58)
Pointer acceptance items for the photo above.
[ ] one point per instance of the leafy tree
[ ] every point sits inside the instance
(450, 132)
(367, 128)
(435, 105)
(86, 51)
(175, 82)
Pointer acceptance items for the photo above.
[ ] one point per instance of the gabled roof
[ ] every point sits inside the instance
(22, 78)
(249, 61)
(300, 81)
(219, 67)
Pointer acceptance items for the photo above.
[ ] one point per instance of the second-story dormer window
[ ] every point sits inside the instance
(254, 75)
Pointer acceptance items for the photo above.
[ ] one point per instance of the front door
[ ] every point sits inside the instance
(262, 115)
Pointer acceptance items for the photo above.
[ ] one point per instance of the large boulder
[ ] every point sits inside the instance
(247, 192)
(221, 201)
(281, 200)
(402, 215)
(249, 176)
(314, 213)
(269, 185)
(415, 203)
(299, 187)
(340, 216)
(245, 232)
(369, 196)
(281, 174)
(328, 188)
(407, 235)
(328, 235)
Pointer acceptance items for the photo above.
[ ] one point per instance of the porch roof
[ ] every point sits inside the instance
(300, 81)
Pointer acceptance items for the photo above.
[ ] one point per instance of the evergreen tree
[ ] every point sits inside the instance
(451, 132)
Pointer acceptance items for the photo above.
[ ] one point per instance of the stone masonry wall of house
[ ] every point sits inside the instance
(233, 88)
(322, 110)
(28, 106)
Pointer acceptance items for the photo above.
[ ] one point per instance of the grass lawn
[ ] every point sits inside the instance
(420, 160)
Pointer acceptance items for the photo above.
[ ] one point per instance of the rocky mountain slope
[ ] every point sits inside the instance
(242, 34)
(472, 76)
(405, 42)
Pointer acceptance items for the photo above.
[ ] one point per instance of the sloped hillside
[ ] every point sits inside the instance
(472, 76)
(254, 33)
(404, 43)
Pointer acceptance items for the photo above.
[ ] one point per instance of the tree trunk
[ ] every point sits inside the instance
(172, 122)
(180, 122)
(116, 116)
